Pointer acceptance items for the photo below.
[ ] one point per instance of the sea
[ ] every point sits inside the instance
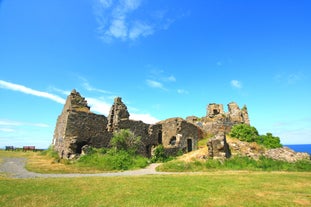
(300, 147)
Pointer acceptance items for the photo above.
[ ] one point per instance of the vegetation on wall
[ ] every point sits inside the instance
(249, 133)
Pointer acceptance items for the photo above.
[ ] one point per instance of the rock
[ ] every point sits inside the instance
(247, 149)
(218, 147)
(86, 149)
(286, 154)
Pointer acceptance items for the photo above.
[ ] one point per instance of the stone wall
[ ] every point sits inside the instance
(178, 133)
(218, 121)
(76, 126)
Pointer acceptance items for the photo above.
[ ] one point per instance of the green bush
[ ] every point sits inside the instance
(249, 133)
(159, 154)
(125, 140)
(112, 160)
(244, 132)
(269, 141)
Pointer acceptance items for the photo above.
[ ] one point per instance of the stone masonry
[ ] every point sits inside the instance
(78, 128)
(218, 121)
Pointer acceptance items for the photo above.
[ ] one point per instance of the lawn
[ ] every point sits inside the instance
(235, 188)
(213, 188)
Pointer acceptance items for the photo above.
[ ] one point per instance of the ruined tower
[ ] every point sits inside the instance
(118, 112)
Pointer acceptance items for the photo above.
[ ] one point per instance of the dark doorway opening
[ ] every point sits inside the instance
(173, 141)
(79, 147)
(148, 150)
(215, 111)
(189, 145)
(160, 137)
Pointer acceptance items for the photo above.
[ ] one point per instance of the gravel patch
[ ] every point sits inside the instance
(15, 168)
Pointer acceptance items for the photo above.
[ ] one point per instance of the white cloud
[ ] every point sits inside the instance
(10, 123)
(64, 92)
(155, 84)
(118, 20)
(236, 84)
(182, 91)
(147, 118)
(289, 79)
(140, 29)
(23, 89)
(99, 106)
(171, 78)
(103, 107)
(86, 85)
(7, 130)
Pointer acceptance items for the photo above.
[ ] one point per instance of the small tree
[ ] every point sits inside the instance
(125, 140)
(270, 141)
(250, 134)
(244, 132)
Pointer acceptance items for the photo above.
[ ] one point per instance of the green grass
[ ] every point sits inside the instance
(112, 160)
(236, 163)
(206, 189)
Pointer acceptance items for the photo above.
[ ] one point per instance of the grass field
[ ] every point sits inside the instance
(208, 189)
(215, 188)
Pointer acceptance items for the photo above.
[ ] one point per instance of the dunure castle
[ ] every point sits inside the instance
(77, 127)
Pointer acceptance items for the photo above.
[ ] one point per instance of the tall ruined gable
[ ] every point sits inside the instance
(77, 126)
(118, 112)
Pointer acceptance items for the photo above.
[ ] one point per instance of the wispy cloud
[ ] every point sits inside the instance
(127, 20)
(289, 79)
(236, 84)
(10, 123)
(155, 84)
(86, 85)
(64, 92)
(26, 90)
(147, 118)
(158, 78)
(99, 105)
(103, 107)
(182, 91)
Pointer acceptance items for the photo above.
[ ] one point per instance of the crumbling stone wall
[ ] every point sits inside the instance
(178, 134)
(218, 121)
(118, 113)
(78, 126)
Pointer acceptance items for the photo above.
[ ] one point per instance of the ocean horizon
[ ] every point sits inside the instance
(299, 147)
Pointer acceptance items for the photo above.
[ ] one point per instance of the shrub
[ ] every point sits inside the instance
(112, 160)
(159, 154)
(125, 140)
(244, 132)
(270, 141)
(248, 133)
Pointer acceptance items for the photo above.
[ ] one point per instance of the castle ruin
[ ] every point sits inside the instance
(77, 127)
(218, 121)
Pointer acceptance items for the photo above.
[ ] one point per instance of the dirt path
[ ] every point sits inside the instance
(15, 168)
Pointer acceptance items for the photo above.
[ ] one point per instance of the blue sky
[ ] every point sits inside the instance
(165, 58)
